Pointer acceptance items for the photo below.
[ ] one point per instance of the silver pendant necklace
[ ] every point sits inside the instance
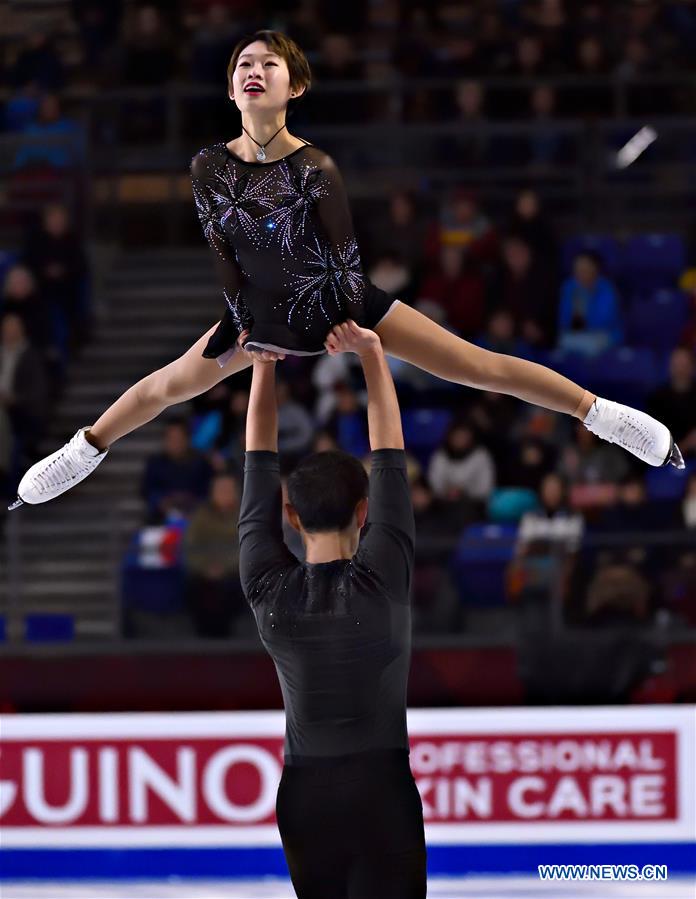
(261, 152)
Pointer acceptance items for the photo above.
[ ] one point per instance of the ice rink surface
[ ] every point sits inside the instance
(474, 888)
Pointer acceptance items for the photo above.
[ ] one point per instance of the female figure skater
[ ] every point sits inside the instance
(274, 210)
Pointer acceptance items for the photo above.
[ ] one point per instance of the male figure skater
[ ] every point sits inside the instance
(338, 628)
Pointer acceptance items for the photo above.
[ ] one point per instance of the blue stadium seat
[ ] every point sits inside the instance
(159, 590)
(661, 515)
(49, 628)
(652, 261)
(667, 483)
(480, 561)
(152, 574)
(20, 111)
(625, 374)
(7, 260)
(424, 430)
(603, 245)
(657, 321)
(352, 436)
(3, 629)
(575, 366)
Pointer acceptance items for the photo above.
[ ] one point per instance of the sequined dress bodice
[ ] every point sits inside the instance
(284, 245)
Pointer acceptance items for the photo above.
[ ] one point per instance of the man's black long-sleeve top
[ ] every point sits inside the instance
(338, 632)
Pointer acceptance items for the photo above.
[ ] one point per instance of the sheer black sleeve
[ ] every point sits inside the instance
(335, 217)
(208, 194)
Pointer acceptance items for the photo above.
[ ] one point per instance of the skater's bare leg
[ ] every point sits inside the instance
(177, 382)
(409, 335)
(181, 380)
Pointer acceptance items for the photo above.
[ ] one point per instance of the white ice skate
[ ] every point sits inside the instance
(59, 472)
(635, 431)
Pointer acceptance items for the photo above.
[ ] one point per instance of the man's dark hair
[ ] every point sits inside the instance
(325, 488)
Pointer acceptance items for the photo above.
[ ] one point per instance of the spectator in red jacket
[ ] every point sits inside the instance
(458, 287)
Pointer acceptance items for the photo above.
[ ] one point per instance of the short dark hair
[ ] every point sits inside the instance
(325, 488)
(283, 46)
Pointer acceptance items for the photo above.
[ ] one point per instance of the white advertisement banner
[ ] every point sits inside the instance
(494, 776)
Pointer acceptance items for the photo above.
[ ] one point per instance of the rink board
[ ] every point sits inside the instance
(193, 795)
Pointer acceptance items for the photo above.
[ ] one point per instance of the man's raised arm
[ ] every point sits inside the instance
(262, 549)
(383, 416)
(390, 540)
(262, 415)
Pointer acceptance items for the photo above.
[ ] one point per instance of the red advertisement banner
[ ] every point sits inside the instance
(192, 780)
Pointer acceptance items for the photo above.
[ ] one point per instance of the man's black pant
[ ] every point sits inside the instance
(353, 828)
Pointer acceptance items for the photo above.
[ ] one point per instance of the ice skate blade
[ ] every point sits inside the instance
(674, 457)
(16, 504)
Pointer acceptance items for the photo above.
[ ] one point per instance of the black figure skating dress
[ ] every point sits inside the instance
(283, 240)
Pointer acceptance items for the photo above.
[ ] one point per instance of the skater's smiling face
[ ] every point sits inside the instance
(261, 79)
(265, 75)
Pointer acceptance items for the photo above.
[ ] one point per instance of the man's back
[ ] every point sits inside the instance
(339, 632)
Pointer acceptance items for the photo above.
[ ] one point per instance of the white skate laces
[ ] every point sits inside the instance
(635, 431)
(59, 472)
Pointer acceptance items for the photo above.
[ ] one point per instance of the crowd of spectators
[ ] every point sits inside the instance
(154, 42)
(44, 320)
(506, 284)
(123, 45)
(477, 458)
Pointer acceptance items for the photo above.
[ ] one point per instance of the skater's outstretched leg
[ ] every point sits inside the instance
(181, 380)
(409, 335)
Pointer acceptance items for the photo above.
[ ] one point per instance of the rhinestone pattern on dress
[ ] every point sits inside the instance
(283, 234)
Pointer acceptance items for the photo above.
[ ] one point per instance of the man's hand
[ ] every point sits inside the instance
(351, 338)
(257, 355)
